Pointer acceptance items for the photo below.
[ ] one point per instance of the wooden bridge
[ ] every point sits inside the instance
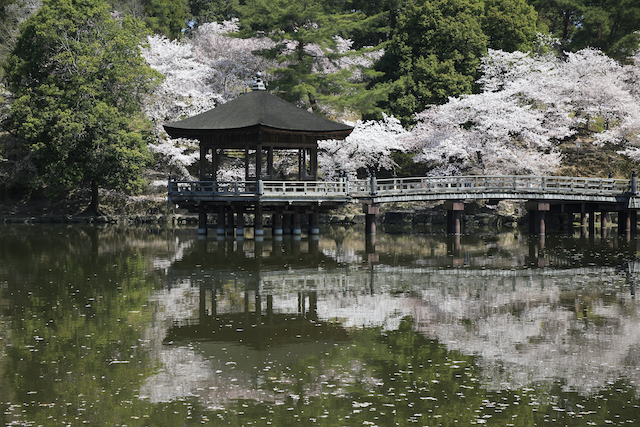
(287, 200)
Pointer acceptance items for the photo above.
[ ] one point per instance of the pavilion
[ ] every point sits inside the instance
(254, 127)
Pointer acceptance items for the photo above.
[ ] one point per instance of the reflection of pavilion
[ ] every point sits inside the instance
(258, 326)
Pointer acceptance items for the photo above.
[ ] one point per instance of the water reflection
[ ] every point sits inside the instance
(527, 311)
(157, 327)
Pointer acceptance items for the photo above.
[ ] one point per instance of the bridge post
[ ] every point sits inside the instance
(240, 221)
(454, 217)
(624, 223)
(286, 223)
(634, 183)
(370, 212)
(231, 222)
(592, 223)
(537, 210)
(314, 222)
(296, 229)
(276, 223)
(258, 230)
(221, 221)
(542, 225)
(202, 222)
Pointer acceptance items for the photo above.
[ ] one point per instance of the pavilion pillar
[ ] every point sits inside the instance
(276, 221)
(221, 221)
(246, 163)
(259, 162)
(270, 171)
(302, 167)
(258, 230)
(314, 163)
(216, 164)
(203, 162)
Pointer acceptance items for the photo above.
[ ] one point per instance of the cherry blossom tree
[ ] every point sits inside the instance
(530, 102)
(369, 147)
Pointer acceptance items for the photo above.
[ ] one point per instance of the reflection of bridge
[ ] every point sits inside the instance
(287, 200)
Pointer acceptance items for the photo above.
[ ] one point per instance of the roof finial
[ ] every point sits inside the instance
(258, 84)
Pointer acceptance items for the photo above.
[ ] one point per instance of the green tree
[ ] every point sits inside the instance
(433, 54)
(437, 45)
(310, 71)
(510, 24)
(79, 80)
(203, 11)
(612, 26)
(166, 17)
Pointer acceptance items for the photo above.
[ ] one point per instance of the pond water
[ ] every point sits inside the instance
(150, 326)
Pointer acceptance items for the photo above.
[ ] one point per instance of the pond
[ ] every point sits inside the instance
(157, 327)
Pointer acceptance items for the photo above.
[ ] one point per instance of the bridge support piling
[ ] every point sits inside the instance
(454, 217)
(220, 230)
(537, 216)
(370, 212)
(633, 219)
(542, 225)
(314, 221)
(258, 229)
(276, 221)
(240, 221)
(603, 224)
(286, 223)
(202, 222)
(231, 222)
(296, 229)
(592, 223)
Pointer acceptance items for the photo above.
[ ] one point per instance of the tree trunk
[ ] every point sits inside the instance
(94, 207)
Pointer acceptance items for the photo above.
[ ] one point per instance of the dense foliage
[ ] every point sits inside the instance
(79, 81)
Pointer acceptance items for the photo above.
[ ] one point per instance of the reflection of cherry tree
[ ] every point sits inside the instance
(524, 334)
(529, 103)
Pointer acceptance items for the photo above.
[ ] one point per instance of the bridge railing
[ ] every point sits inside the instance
(489, 184)
(372, 187)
